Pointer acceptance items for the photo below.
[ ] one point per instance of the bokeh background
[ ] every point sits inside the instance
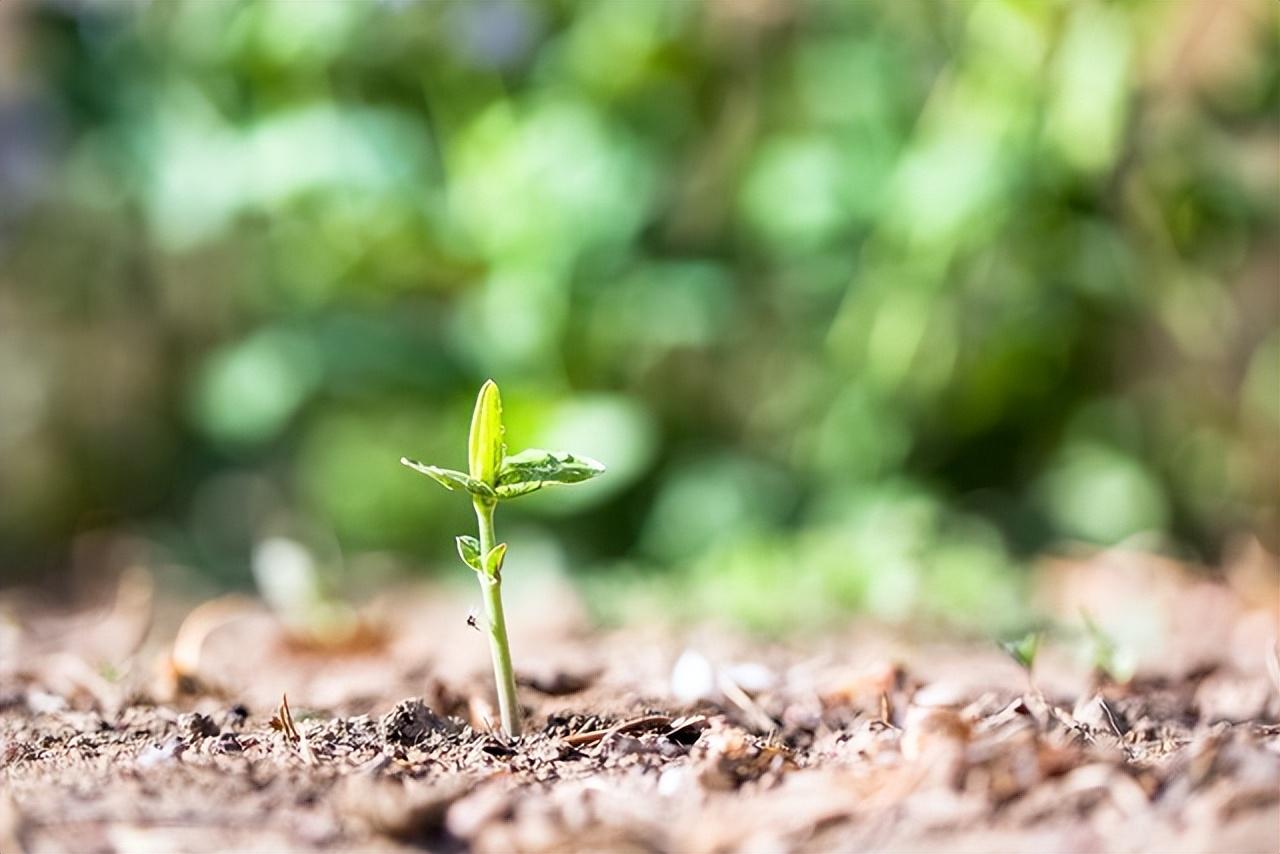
(866, 305)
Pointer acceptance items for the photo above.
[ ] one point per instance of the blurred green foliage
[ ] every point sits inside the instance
(861, 303)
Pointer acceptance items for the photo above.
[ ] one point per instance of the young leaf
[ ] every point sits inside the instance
(535, 465)
(469, 551)
(484, 446)
(493, 561)
(1023, 650)
(450, 479)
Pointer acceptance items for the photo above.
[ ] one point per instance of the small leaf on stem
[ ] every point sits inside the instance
(450, 479)
(469, 551)
(493, 560)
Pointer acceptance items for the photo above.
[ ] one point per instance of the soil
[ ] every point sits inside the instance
(647, 739)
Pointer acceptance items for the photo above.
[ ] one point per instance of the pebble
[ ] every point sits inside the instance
(228, 743)
(693, 678)
(44, 703)
(194, 725)
(410, 721)
(160, 754)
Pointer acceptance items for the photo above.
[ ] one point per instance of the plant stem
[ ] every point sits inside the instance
(504, 673)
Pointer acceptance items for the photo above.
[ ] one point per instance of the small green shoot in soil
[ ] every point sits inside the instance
(1023, 650)
(1109, 660)
(494, 476)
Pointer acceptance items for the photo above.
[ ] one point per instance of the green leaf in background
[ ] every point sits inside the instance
(450, 479)
(469, 551)
(930, 322)
(248, 391)
(485, 448)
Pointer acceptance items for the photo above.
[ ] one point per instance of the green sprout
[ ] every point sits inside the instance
(495, 476)
(1108, 658)
(1023, 649)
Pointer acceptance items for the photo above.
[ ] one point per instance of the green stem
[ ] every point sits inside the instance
(504, 673)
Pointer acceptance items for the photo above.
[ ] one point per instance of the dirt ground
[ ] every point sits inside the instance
(651, 739)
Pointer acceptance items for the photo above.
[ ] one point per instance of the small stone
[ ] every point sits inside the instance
(752, 677)
(228, 743)
(236, 715)
(410, 721)
(693, 677)
(194, 725)
(44, 703)
(621, 744)
(161, 754)
(678, 781)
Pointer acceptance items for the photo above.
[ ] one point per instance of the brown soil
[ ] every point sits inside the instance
(638, 740)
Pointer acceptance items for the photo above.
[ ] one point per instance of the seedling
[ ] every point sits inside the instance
(1023, 650)
(1110, 661)
(494, 476)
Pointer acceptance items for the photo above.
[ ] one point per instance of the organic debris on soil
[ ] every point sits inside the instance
(842, 743)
